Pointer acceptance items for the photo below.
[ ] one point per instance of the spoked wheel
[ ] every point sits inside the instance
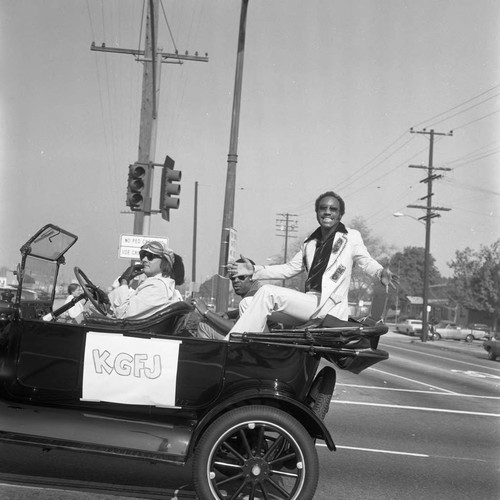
(255, 452)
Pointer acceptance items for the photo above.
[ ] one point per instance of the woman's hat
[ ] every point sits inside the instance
(158, 248)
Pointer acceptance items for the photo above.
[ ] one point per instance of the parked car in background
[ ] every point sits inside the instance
(479, 330)
(447, 330)
(492, 346)
(410, 327)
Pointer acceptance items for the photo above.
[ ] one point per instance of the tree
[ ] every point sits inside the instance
(362, 284)
(476, 279)
(409, 265)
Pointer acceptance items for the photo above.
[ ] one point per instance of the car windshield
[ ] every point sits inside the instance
(50, 243)
(39, 279)
(42, 255)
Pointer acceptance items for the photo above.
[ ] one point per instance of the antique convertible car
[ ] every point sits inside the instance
(247, 411)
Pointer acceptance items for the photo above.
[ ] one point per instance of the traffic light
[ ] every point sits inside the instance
(135, 187)
(168, 188)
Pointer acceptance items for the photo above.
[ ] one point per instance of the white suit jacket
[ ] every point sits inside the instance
(348, 250)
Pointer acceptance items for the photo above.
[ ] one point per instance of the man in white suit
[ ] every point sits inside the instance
(328, 256)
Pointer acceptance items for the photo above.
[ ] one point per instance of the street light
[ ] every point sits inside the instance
(401, 214)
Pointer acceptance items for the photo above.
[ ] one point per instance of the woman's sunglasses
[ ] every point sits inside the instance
(148, 255)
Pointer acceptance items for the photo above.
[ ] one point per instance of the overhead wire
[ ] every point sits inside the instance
(110, 157)
(455, 107)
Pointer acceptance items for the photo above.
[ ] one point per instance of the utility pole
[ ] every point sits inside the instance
(285, 225)
(429, 215)
(152, 57)
(232, 159)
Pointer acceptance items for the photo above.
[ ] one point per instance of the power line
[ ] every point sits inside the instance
(455, 107)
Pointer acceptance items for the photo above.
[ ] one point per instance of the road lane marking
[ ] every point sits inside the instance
(373, 450)
(414, 381)
(421, 408)
(417, 391)
(418, 455)
(439, 357)
(474, 374)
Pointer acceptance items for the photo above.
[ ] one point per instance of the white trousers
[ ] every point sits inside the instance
(279, 304)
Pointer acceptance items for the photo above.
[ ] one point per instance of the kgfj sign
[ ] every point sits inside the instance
(130, 244)
(130, 370)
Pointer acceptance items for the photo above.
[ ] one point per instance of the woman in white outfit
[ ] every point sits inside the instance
(163, 269)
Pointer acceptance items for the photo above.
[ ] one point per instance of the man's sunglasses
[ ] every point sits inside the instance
(240, 277)
(148, 255)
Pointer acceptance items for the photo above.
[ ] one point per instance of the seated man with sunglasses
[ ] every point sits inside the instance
(217, 326)
(163, 269)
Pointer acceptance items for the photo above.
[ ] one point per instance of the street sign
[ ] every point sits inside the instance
(233, 240)
(130, 244)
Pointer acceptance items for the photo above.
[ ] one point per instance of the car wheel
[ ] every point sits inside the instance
(491, 356)
(322, 390)
(469, 338)
(436, 336)
(255, 452)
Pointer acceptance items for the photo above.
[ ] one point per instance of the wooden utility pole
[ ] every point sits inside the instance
(288, 225)
(429, 215)
(152, 57)
(232, 160)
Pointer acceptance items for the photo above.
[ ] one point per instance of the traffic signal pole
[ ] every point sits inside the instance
(151, 57)
(149, 115)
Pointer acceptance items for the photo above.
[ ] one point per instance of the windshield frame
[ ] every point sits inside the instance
(42, 255)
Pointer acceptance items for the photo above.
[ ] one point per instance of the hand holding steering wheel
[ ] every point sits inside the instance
(97, 297)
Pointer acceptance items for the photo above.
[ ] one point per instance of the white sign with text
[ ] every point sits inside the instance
(130, 244)
(130, 370)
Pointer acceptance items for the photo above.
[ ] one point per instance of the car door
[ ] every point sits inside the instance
(72, 364)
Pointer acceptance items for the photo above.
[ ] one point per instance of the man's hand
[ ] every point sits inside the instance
(130, 273)
(200, 306)
(387, 277)
(245, 267)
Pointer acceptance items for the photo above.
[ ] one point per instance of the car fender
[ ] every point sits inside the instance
(267, 397)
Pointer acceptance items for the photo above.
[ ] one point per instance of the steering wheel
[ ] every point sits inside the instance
(97, 297)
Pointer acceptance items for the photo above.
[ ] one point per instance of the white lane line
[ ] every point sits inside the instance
(413, 381)
(421, 408)
(373, 450)
(418, 392)
(418, 455)
(391, 346)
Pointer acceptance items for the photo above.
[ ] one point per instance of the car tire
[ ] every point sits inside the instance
(469, 338)
(242, 452)
(322, 390)
(436, 336)
(491, 356)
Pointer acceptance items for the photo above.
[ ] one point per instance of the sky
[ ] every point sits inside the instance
(331, 89)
